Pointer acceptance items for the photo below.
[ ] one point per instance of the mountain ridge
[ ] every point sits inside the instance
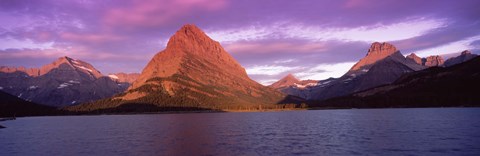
(433, 87)
(65, 81)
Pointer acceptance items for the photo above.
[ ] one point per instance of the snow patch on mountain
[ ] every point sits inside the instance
(113, 76)
(305, 85)
(65, 84)
(72, 81)
(75, 62)
(84, 68)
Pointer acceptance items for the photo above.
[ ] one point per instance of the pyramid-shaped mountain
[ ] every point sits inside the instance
(292, 86)
(286, 81)
(193, 71)
(66, 81)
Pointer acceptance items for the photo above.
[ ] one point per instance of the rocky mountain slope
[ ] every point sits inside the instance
(193, 71)
(456, 85)
(64, 82)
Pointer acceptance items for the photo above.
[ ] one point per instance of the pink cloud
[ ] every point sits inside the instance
(353, 3)
(77, 52)
(31, 53)
(253, 47)
(150, 13)
(90, 38)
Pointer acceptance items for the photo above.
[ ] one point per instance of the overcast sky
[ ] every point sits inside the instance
(313, 39)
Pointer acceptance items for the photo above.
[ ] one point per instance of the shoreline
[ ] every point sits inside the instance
(7, 118)
(218, 111)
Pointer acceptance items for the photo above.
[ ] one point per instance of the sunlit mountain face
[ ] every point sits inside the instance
(312, 39)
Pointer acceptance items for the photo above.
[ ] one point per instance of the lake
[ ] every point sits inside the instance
(419, 131)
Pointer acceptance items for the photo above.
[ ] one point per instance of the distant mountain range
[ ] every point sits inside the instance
(382, 65)
(194, 72)
(64, 82)
(456, 85)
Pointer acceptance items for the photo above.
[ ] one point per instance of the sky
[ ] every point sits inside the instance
(312, 39)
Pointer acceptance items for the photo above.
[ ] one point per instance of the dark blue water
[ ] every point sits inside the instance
(432, 131)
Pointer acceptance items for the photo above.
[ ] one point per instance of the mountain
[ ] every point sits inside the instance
(464, 56)
(376, 52)
(124, 77)
(124, 80)
(13, 106)
(292, 86)
(456, 85)
(415, 58)
(64, 82)
(286, 81)
(430, 61)
(194, 72)
(382, 65)
(433, 61)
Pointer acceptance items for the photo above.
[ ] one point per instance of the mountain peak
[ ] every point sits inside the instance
(434, 60)
(188, 49)
(291, 76)
(415, 58)
(63, 59)
(463, 57)
(384, 48)
(376, 52)
(71, 63)
(189, 28)
(285, 81)
(412, 55)
(466, 52)
(188, 33)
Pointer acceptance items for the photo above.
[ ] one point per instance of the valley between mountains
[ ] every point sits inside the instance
(195, 73)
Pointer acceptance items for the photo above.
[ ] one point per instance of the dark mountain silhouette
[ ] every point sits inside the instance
(13, 106)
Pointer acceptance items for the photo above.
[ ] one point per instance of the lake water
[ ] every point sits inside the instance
(429, 131)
